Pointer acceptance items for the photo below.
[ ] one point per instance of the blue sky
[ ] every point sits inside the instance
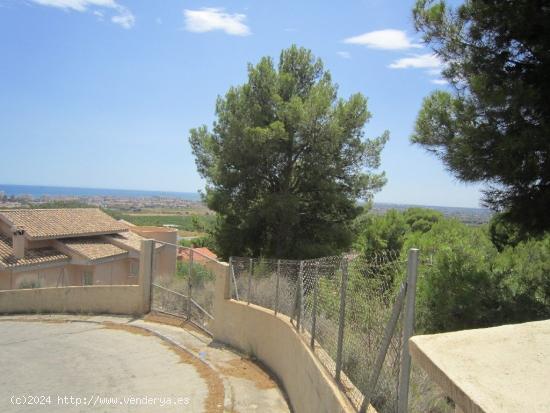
(102, 93)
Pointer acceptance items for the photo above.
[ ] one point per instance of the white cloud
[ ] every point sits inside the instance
(77, 5)
(344, 55)
(388, 39)
(421, 61)
(434, 72)
(428, 61)
(123, 16)
(209, 19)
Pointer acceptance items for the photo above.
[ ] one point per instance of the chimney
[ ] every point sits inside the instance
(18, 242)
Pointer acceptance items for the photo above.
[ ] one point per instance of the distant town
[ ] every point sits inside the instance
(178, 205)
(470, 216)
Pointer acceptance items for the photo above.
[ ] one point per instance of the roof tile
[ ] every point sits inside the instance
(130, 240)
(34, 256)
(62, 223)
(93, 248)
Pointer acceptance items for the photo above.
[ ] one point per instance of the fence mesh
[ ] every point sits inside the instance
(312, 294)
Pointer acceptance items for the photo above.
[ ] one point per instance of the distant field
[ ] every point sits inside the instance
(197, 210)
(191, 234)
(189, 223)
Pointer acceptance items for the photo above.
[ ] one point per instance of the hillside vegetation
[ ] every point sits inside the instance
(469, 276)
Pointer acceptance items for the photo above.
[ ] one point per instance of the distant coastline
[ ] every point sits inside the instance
(37, 191)
(139, 199)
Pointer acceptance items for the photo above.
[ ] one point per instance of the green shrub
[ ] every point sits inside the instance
(465, 282)
(201, 274)
(25, 284)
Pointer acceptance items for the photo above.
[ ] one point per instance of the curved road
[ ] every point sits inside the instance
(105, 366)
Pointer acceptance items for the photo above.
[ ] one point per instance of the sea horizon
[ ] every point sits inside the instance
(38, 191)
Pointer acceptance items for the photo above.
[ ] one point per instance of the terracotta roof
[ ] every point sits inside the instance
(62, 223)
(130, 240)
(199, 254)
(93, 248)
(34, 256)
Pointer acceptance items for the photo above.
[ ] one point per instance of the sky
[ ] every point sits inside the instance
(102, 93)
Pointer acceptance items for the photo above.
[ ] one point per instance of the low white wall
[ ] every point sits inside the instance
(109, 299)
(274, 341)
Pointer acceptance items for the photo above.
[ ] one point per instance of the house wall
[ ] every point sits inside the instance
(157, 233)
(112, 273)
(166, 256)
(165, 261)
(116, 272)
(5, 280)
(39, 244)
(5, 228)
(43, 277)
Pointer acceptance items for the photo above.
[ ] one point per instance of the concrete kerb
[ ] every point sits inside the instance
(228, 393)
(272, 375)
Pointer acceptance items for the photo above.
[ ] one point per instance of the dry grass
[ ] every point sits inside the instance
(246, 369)
(369, 300)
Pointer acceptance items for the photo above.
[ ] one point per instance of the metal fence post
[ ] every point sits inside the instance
(232, 285)
(302, 308)
(316, 279)
(277, 287)
(233, 278)
(300, 296)
(189, 283)
(342, 318)
(250, 273)
(408, 329)
(388, 334)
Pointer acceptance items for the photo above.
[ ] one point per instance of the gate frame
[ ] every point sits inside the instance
(147, 257)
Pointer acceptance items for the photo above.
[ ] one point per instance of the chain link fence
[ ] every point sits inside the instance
(347, 308)
(187, 292)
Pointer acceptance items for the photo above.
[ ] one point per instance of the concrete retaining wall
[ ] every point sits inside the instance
(273, 340)
(115, 299)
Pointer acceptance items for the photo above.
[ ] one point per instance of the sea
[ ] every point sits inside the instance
(40, 191)
(474, 215)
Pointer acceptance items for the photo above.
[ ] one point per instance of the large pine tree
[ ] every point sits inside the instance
(286, 161)
(495, 126)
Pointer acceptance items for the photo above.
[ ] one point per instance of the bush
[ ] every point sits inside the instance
(201, 274)
(466, 283)
(525, 273)
(381, 233)
(26, 284)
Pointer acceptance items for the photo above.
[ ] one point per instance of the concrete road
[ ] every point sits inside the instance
(47, 363)
(70, 363)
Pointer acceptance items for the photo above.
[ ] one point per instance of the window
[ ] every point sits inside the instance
(88, 278)
(134, 269)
